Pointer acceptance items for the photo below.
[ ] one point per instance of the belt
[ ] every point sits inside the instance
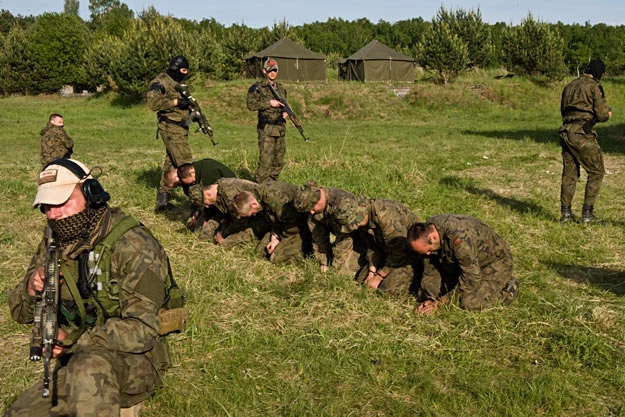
(173, 122)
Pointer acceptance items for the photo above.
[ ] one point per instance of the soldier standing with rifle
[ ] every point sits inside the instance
(271, 122)
(583, 104)
(172, 109)
(100, 293)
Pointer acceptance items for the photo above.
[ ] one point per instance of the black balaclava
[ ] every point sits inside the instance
(174, 68)
(596, 68)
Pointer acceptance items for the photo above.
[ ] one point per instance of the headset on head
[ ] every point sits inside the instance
(91, 188)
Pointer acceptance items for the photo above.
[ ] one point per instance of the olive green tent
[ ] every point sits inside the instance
(377, 62)
(296, 63)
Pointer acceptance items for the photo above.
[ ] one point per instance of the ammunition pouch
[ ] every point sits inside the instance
(172, 320)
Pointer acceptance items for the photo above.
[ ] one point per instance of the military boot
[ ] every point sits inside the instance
(567, 215)
(588, 216)
(162, 202)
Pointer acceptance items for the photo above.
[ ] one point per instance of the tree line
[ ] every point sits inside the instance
(122, 51)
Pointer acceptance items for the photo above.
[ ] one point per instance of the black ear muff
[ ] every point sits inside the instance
(93, 191)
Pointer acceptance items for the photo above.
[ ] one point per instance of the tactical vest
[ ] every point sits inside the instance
(105, 289)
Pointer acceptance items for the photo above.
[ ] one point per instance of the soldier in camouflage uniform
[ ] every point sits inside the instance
(391, 266)
(172, 111)
(193, 177)
(465, 257)
(110, 354)
(289, 239)
(271, 123)
(232, 230)
(583, 104)
(54, 141)
(334, 212)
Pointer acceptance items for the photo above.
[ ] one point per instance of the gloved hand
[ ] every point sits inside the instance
(183, 103)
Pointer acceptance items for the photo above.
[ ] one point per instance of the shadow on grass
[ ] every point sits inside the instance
(611, 136)
(520, 206)
(607, 279)
(150, 177)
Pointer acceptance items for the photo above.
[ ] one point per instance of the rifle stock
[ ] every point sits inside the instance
(196, 114)
(289, 111)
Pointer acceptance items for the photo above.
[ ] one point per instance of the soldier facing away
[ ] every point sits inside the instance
(172, 111)
(583, 104)
(271, 122)
(110, 343)
(55, 143)
(463, 256)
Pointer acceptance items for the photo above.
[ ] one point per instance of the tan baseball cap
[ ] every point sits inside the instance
(58, 180)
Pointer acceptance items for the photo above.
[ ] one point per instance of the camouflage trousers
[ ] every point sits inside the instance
(401, 279)
(94, 382)
(580, 149)
(271, 150)
(349, 253)
(295, 244)
(177, 149)
(488, 291)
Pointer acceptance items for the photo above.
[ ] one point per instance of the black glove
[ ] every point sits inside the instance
(183, 103)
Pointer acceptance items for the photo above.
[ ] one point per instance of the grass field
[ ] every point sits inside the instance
(267, 340)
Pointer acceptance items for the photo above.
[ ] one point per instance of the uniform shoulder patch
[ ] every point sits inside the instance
(253, 89)
(457, 241)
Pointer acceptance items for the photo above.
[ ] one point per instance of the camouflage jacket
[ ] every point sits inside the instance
(207, 172)
(55, 143)
(258, 99)
(343, 213)
(160, 98)
(276, 198)
(388, 226)
(583, 99)
(467, 246)
(140, 267)
(227, 188)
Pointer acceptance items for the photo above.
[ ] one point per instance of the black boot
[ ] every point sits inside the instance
(588, 216)
(567, 215)
(162, 202)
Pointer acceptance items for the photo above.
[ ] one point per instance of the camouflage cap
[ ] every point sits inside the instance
(356, 215)
(196, 195)
(270, 64)
(307, 196)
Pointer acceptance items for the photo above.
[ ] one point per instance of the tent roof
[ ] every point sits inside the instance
(377, 50)
(286, 48)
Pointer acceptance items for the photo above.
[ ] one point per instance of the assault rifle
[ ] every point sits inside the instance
(45, 326)
(196, 114)
(288, 110)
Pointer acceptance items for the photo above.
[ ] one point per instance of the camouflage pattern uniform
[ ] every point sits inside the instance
(582, 100)
(389, 250)
(55, 143)
(271, 130)
(276, 199)
(473, 261)
(171, 124)
(205, 219)
(236, 230)
(341, 217)
(119, 362)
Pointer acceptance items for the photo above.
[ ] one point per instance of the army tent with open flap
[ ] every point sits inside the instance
(296, 63)
(377, 62)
